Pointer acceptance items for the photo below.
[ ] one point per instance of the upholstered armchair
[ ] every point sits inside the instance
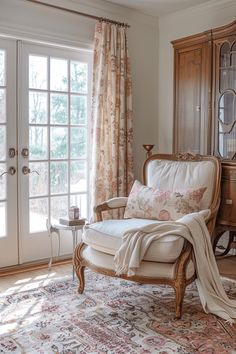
(181, 184)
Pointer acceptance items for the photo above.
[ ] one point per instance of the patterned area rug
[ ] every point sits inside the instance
(113, 316)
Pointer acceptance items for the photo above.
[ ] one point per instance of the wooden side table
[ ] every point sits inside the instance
(54, 229)
(226, 219)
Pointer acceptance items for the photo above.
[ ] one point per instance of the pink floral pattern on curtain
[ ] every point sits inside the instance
(112, 127)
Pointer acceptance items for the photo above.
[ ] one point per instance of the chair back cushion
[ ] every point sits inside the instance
(174, 175)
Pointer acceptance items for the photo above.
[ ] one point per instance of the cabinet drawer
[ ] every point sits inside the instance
(228, 173)
(227, 210)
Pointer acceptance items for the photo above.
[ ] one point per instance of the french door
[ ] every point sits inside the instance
(8, 158)
(51, 137)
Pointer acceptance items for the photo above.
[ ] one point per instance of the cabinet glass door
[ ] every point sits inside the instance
(226, 114)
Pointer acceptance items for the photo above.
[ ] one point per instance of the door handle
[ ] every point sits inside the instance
(11, 171)
(26, 170)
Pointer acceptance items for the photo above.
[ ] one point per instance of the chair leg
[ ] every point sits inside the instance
(80, 275)
(79, 267)
(179, 297)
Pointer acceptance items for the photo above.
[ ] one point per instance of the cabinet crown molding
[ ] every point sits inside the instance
(192, 40)
(205, 36)
(223, 31)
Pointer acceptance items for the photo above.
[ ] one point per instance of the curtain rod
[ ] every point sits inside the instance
(79, 13)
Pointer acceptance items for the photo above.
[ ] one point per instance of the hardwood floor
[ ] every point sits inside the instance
(227, 266)
(11, 284)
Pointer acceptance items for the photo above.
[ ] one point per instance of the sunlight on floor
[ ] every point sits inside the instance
(23, 281)
(45, 276)
(6, 328)
(33, 279)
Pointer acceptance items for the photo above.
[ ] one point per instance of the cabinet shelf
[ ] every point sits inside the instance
(222, 133)
(230, 67)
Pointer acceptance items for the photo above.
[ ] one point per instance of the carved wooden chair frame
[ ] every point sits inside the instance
(179, 281)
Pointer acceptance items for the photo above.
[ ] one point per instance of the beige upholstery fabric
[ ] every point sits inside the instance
(176, 175)
(117, 202)
(147, 269)
(106, 236)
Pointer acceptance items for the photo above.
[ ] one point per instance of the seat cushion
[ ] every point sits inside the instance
(146, 269)
(106, 236)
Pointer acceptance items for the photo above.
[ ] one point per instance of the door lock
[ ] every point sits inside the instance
(12, 153)
(25, 152)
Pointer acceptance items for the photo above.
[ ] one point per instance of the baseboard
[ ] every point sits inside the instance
(21, 268)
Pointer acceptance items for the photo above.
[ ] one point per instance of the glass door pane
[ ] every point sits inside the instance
(56, 88)
(226, 114)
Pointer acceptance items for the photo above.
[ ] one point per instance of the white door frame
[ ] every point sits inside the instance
(9, 243)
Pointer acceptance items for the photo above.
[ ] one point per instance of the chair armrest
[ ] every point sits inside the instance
(210, 222)
(110, 204)
(206, 214)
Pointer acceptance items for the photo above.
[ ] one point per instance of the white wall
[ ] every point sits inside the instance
(179, 25)
(26, 20)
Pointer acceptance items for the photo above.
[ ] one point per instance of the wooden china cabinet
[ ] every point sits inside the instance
(205, 110)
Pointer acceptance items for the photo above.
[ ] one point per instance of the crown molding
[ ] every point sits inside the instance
(105, 9)
(24, 33)
(83, 38)
(220, 5)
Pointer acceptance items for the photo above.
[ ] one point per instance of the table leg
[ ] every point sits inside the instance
(51, 230)
(51, 253)
(74, 234)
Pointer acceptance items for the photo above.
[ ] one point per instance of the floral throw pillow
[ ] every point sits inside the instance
(148, 203)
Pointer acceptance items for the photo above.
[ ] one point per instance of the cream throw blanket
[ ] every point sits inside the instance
(193, 228)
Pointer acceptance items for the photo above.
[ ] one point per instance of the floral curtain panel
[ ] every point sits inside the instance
(112, 128)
